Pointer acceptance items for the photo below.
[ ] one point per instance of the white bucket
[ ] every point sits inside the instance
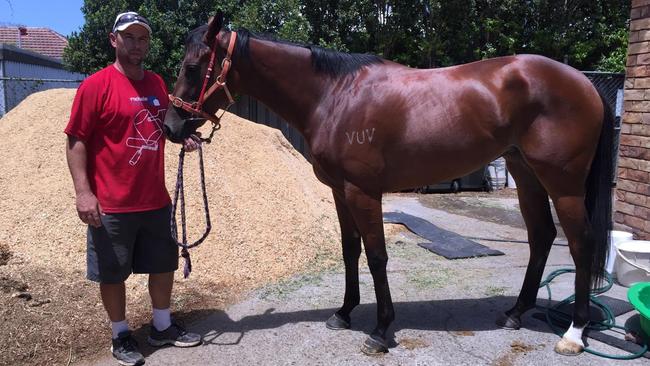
(497, 173)
(615, 237)
(633, 262)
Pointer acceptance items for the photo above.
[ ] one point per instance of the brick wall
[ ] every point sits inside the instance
(632, 206)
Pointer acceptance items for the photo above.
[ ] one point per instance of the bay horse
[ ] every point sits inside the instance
(375, 126)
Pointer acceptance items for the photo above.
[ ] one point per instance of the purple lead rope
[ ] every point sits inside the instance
(179, 193)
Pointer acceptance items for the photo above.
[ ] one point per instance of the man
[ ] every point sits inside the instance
(115, 155)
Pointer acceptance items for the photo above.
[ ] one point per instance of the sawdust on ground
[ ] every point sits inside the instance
(271, 218)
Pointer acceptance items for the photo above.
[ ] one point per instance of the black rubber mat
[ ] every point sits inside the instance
(617, 342)
(618, 307)
(442, 242)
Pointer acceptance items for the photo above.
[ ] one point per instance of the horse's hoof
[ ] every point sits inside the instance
(567, 347)
(374, 347)
(509, 322)
(336, 322)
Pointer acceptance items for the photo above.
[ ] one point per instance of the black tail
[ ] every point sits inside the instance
(598, 200)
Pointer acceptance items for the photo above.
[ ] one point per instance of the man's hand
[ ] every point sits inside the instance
(192, 143)
(89, 209)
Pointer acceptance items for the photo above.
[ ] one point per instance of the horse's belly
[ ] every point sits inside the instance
(419, 166)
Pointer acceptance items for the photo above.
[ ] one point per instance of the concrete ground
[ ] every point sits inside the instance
(445, 309)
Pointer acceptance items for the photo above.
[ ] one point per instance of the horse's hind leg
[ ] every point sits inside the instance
(351, 242)
(566, 188)
(573, 217)
(536, 211)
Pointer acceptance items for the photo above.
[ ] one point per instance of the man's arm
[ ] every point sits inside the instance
(88, 207)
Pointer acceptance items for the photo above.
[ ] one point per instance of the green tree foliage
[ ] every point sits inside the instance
(587, 34)
(90, 49)
(427, 33)
(281, 18)
(579, 32)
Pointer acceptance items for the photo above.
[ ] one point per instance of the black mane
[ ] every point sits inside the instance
(324, 60)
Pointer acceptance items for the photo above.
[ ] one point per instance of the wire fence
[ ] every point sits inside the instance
(610, 85)
(14, 90)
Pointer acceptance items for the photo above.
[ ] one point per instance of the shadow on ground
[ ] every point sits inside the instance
(459, 316)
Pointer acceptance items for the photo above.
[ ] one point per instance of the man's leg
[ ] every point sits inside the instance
(160, 290)
(109, 263)
(109, 260)
(156, 253)
(109, 249)
(164, 331)
(114, 300)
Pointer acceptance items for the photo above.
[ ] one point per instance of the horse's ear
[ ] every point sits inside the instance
(214, 26)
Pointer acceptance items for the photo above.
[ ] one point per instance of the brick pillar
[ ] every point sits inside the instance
(632, 206)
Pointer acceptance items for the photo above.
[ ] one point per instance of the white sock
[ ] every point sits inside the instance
(162, 319)
(575, 334)
(119, 327)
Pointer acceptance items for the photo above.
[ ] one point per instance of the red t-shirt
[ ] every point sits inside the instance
(121, 121)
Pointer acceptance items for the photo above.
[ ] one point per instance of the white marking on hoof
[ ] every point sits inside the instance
(574, 334)
(571, 343)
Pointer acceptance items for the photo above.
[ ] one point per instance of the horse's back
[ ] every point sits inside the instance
(407, 127)
(518, 101)
(531, 81)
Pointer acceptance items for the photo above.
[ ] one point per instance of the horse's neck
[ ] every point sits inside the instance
(281, 76)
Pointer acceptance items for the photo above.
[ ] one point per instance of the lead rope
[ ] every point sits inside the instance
(179, 193)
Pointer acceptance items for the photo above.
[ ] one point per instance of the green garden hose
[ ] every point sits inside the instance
(554, 315)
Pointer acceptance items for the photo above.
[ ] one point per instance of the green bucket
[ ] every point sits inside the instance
(639, 296)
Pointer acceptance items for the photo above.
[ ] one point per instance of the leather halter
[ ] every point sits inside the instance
(196, 108)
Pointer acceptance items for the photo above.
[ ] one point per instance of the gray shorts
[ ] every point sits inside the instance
(134, 242)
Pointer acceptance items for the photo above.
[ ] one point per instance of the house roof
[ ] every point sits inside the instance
(41, 40)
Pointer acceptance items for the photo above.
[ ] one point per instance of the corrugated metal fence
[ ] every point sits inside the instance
(251, 109)
(24, 72)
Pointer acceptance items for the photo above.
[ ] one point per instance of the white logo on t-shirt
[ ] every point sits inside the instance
(152, 100)
(149, 131)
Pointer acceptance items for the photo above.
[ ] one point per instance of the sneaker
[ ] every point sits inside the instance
(174, 335)
(125, 350)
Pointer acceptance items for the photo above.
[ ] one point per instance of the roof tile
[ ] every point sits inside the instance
(42, 40)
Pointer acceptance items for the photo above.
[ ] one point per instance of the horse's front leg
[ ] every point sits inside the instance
(365, 208)
(351, 242)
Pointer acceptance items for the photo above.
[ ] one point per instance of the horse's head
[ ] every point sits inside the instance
(201, 89)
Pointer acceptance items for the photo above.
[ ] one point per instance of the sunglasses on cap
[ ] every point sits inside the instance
(124, 20)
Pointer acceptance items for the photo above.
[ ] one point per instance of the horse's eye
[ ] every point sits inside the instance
(192, 70)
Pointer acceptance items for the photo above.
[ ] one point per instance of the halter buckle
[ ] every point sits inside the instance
(176, 101)
(224, 61)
